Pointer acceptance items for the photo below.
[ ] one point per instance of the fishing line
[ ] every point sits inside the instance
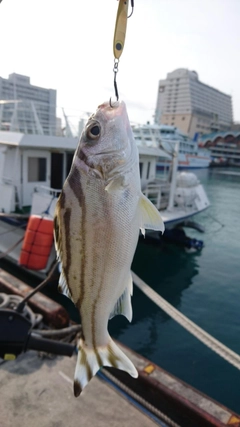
(41, 285)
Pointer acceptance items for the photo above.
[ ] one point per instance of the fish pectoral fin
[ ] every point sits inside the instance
(90, 360)
(123, 305)
(115, 185)
(62, 285)
(150, 216)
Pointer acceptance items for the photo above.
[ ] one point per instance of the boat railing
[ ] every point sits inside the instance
(48, 190)
(158, 192)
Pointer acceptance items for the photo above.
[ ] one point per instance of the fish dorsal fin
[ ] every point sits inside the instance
(62, 285)
(150, 216)
(123, 305)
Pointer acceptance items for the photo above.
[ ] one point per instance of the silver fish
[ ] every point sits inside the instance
(97, 220)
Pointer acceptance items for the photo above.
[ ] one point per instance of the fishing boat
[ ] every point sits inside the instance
(190, 156)
(33, 169)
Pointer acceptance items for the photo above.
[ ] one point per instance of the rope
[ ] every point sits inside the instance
(215, 345)
(140, 400)
(14, 228)
(38, 288)
(74, 329)
(2, 255)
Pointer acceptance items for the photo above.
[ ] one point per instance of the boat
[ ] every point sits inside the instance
(33, 169)
(190, 155)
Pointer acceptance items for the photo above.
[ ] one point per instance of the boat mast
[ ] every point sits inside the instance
(174, 177)
(68, 130)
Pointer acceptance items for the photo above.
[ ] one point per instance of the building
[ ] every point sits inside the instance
(26, 108)
(224, 147)
(192, 106)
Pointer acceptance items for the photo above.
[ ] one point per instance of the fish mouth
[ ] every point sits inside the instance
(114, 108)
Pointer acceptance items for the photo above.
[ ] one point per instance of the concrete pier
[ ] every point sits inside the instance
(37, 392)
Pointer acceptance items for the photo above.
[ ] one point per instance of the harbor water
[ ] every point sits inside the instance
(204, 286)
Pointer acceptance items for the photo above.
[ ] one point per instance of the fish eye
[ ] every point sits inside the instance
(93, 131)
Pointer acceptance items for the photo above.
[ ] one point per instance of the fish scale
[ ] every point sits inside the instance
(97, 221)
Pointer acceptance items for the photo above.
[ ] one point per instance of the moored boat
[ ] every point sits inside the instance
(190, 155)
(33, 169)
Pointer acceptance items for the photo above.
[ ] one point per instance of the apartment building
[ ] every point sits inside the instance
(26, 108)
(192, 106)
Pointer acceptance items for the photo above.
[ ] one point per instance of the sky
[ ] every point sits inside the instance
(67, 46)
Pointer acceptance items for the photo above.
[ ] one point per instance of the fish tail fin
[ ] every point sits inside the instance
(90, 360)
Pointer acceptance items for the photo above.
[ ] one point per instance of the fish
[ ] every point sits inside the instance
(97, 220)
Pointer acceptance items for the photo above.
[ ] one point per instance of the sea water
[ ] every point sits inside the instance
(204, 286)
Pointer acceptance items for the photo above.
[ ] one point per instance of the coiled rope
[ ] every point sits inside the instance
(215, 345)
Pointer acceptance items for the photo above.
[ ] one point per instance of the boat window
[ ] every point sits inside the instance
(148, 169)
(140, 168)
(37, 168)
(56, 170)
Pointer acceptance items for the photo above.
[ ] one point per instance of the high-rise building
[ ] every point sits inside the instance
(26, 108)
(192, 106)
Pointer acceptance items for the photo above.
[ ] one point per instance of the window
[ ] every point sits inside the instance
(140, 168)
(37, 169)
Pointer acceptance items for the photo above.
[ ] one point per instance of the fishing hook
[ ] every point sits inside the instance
(115, 70)
(119, 38)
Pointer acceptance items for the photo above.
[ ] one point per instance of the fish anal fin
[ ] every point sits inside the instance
(123, 305)
(63, 287)
(90, 360)
(150, 216)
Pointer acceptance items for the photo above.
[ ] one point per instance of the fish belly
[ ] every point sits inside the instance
(103, 232)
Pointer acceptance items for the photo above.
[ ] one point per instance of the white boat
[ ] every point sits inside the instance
(33, 169)
(190, 156)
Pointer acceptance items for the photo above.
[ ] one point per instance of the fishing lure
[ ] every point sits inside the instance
(119, 37)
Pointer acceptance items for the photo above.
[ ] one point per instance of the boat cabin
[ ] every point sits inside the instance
(28, 162)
